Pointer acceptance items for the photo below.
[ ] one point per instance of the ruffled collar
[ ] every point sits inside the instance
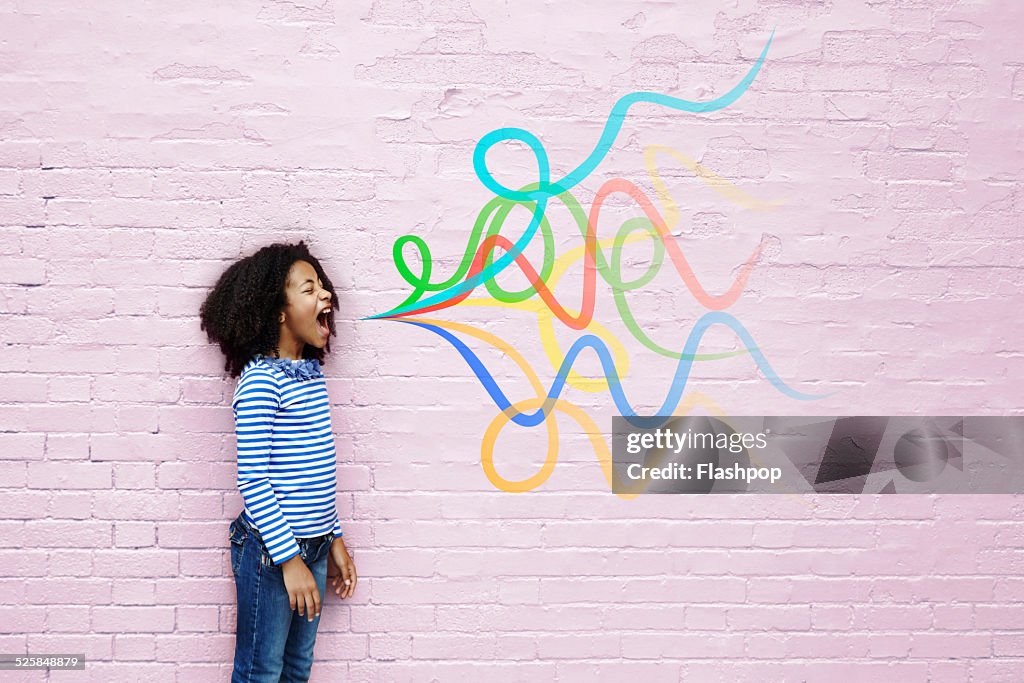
(305, 368)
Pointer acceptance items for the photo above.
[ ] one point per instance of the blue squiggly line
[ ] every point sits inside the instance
(547, 189)
(675, 391)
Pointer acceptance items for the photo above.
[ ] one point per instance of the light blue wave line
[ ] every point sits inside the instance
(675, 391)
(547, 189)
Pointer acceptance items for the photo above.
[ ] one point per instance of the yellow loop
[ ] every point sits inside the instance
(491, 437)
(597, 441)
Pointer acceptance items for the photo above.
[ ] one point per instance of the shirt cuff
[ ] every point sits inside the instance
(285, 554)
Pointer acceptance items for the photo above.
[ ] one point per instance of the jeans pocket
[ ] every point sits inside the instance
(266, 561)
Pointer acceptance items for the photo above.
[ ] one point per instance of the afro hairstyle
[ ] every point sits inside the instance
(241, 311)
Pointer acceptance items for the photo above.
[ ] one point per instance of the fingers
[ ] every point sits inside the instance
(344, 583)
(350, 580)
(309, 604)
(339, 581)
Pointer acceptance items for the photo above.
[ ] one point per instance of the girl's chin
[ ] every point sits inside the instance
(318, 342)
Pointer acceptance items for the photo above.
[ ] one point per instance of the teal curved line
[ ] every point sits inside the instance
(546, 188)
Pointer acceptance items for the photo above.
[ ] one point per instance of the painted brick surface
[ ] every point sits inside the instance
(144, 148)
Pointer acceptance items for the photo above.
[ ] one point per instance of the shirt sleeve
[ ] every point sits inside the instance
(256, 402)
(337, 528)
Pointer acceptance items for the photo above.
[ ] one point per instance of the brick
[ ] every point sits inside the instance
(13, 474)
(70, 505)
(134, 534)
(71, 533)
(69, 475)
(134, 647)
(129, 619)
(74, 591)
(211, 648)
(23, 504)
(136, 505)
(197, 619)
(134, 592)
(135, 563)
(191, 591)
(190, 534)
(69, 389)
(14, 446)
(96, 647)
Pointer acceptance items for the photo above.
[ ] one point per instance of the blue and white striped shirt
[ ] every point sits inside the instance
(286, 457)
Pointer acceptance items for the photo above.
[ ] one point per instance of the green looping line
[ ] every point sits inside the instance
(492, 218)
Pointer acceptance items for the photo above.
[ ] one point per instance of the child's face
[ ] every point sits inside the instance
(306, 301)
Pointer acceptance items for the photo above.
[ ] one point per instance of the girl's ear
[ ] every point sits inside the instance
(281, 318)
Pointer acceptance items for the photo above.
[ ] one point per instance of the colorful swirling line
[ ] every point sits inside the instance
(546, 329)
(590, 268)
(633, 230)
(673, 394)
(479, 265)
(594, 434)
(627, 490)
(492, 219)
(544, 188)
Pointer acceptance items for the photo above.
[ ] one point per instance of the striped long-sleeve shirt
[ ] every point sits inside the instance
(286, 457)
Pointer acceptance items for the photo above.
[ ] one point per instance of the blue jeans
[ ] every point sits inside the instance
(273, 644)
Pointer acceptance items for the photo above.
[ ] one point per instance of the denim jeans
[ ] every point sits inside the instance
(273, 644)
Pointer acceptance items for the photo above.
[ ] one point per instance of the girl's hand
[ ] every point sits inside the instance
(301, 587)
(345, 582)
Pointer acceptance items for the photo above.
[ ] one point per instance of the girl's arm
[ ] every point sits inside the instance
(256, 402)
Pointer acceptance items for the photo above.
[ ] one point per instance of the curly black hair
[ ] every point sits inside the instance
(241, 311)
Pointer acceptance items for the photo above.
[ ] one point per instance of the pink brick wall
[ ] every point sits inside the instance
(143, 147)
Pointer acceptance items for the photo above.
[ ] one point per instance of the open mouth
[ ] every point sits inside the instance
(323, 323)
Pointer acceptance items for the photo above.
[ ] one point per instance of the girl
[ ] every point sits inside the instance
(272, 315)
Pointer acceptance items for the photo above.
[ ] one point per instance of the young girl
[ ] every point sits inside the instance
(272, 315)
